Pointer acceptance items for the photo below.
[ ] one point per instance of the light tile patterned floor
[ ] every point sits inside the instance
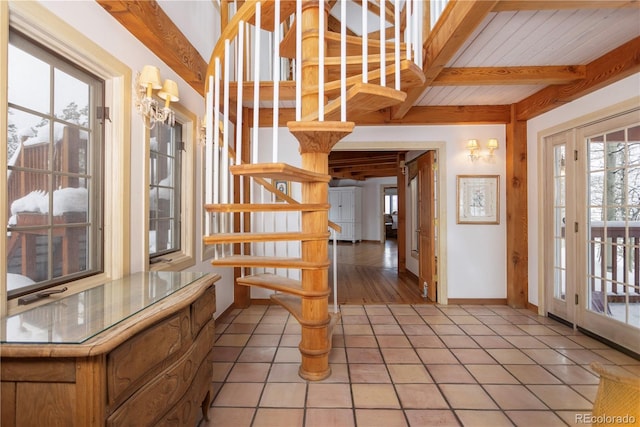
(404, 365)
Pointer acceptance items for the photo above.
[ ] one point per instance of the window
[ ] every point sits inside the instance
(171, 200)
(165, 173)
(390, 203)
(54, 169)
(106, 228)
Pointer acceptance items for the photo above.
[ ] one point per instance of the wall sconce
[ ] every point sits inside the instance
(474, 149)
(146, 82)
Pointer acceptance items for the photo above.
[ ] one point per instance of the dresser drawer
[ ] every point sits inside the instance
(132, 363)
(170, 387)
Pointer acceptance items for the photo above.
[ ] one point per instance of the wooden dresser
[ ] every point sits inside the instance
(131, 352)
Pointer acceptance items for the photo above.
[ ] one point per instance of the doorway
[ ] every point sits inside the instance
(408, 259)
(390, 209)
(592, 238)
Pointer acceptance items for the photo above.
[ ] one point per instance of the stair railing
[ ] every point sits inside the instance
(239, 55)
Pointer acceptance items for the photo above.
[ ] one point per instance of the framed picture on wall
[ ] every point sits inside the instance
(283, 187)
(478, 198)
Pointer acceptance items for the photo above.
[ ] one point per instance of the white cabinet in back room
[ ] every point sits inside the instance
(346, 211)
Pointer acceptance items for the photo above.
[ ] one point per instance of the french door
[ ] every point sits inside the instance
(592, 277)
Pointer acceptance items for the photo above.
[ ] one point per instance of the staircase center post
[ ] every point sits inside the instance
(314, 344)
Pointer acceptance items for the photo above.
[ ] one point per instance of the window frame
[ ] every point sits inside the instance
(175, 159)
(93, 173)
(185, 256)
(36, 22)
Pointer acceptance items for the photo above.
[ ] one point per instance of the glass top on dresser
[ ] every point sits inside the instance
(78, 317)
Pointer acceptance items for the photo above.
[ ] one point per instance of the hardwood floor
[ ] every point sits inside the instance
(368, 274)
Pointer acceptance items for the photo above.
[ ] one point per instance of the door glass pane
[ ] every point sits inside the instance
(559, 220)
(614, 225)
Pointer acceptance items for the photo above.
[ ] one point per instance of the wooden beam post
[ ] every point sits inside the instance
(517, 220)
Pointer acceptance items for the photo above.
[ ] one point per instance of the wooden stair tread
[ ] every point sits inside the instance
(293, 304)
(410, 75)
(362, 98)
(280, 284)
(266, 207)
(354, 44)
(279, 171)
(267, 261)
(264, 237)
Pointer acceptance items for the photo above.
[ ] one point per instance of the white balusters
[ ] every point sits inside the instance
(208, 118)
(383, 46)
(437, 7)
(256, 83)
(343, 60)
(225, 140)
(276, 79)
(240, 87)
(409, 27)
(365, 42)
(396, 19)
(216, 148)
(417, 32)
(298, 60)
(321, 26)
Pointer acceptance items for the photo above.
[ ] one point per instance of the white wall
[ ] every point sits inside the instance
(97, 25)
(372, 207)
(579, 111)
(471, 270)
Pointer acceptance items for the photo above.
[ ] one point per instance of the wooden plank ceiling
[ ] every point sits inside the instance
(362, 165)
(557, 84)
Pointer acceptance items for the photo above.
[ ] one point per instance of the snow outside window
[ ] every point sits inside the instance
(54, 170)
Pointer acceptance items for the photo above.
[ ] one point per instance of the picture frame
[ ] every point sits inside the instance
(284, 187)
(478, 199)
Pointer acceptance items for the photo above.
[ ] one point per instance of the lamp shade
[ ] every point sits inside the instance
(492, 144)
(150, 75)
(472, 144)
(169, 91)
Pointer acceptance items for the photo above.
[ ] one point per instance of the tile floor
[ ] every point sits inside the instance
(408, 365)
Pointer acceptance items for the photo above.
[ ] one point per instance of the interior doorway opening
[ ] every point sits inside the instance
(393, 239)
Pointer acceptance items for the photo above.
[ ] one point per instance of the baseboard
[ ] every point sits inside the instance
(477, 301)
(411, 275)
(532, 307)
(262, 301)
(225, 313)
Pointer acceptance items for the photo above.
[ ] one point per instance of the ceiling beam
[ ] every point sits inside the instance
(517, 5)
(361, 176)
(479, 76)
(458, 21)
(150, 24)
(427, 115)
(609, 68)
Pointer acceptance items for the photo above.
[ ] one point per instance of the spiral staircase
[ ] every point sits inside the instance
(331, 85)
